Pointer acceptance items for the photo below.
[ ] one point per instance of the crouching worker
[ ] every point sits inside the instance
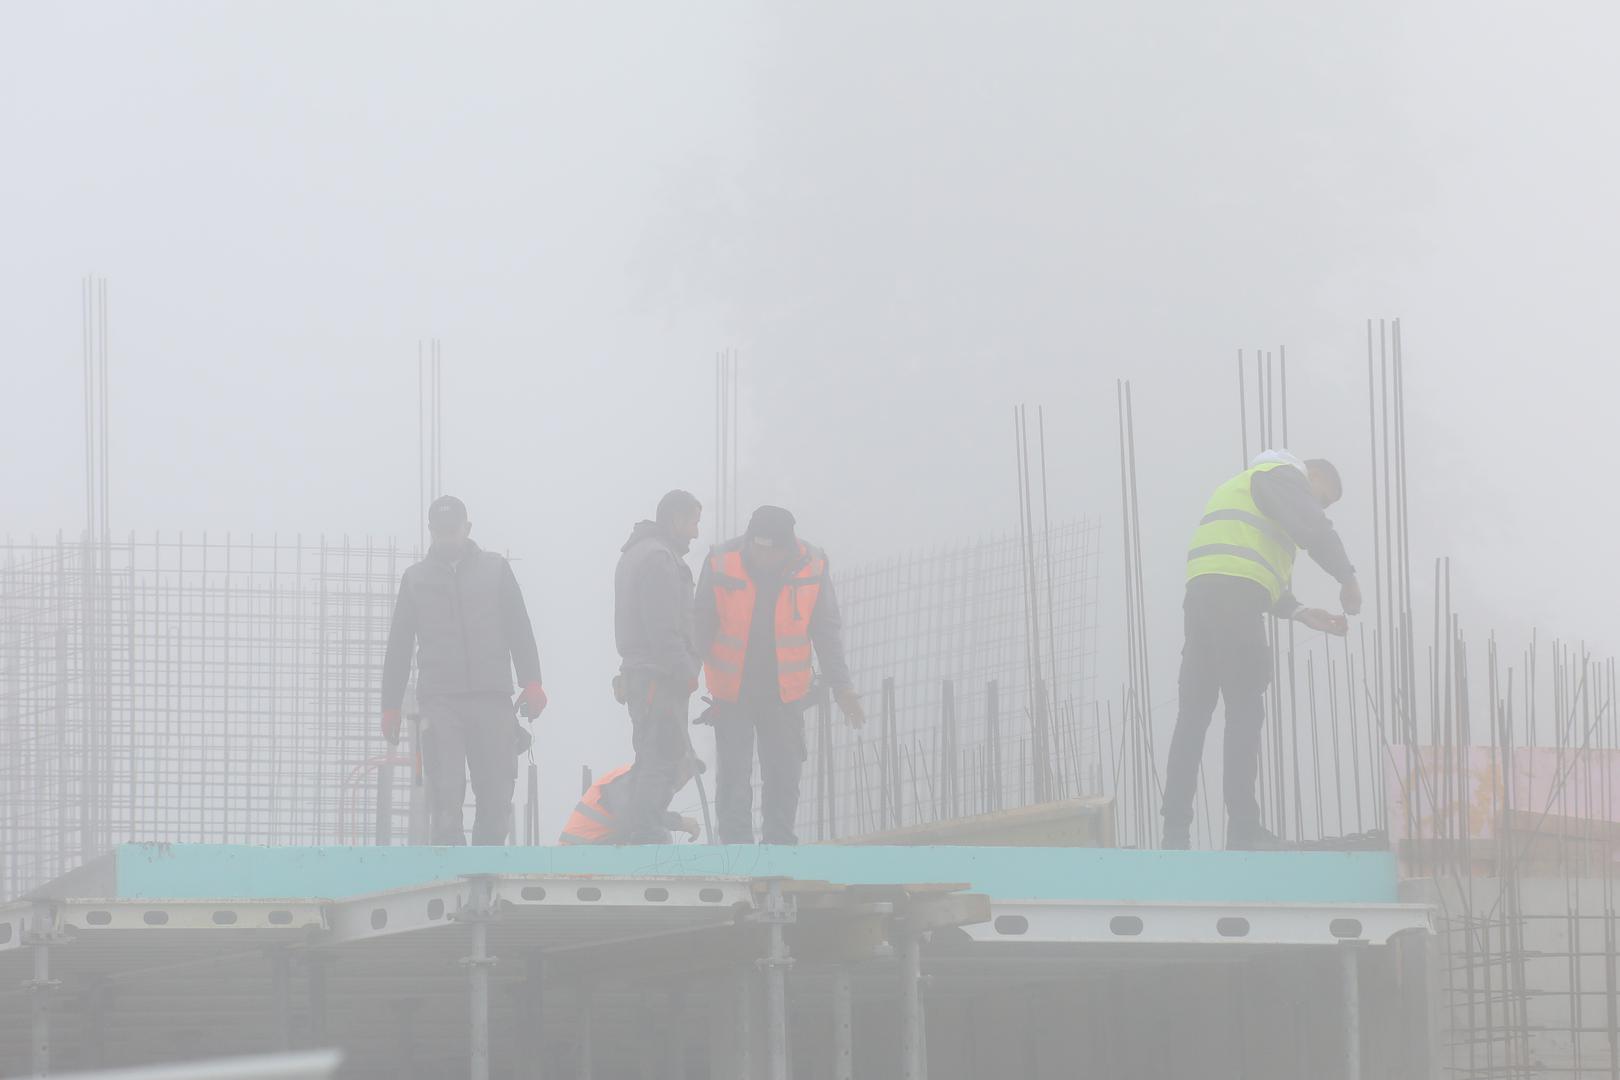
(603, 813)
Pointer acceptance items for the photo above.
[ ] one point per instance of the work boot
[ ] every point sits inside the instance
(1253, 838)
(1176, 836)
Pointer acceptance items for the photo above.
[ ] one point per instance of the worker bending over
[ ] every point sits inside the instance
(764, 601)
(658, 669)
(1239, 568)
(602, 815)
(461, 612)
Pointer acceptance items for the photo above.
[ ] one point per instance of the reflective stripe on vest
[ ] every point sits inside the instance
(1235, 539)
(734, 597)
(590, 823)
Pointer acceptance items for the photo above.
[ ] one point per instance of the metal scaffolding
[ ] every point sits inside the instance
(181, 689)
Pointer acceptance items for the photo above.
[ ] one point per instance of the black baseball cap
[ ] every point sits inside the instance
(772, 525)
(447, 512)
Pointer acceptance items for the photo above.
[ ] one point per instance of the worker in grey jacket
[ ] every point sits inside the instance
(658, 669)
(461, 613)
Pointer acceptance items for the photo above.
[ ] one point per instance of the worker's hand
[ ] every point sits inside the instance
(850, 702)
(390, 726)
(690, 827)
(532, 702)
(1350, 597)
(1325, 621)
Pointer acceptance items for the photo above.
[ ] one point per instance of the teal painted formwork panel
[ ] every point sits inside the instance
(207, 871)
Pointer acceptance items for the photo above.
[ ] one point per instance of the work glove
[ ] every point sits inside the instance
(619, 693)
(532, 702)
(1325, 621)
(690, 827)
(390, 726)
(850, 702)
(1350, 597)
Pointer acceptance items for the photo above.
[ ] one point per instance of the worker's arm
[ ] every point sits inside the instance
(401, 644)
(827, 636)
(705, 618)
(1284, 495)
(666, 617)
(519, 630)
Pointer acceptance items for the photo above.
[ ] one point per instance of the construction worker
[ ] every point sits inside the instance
(461, 611)
(658, 670)
(1239, 568)
(763, 602)
(602, 814)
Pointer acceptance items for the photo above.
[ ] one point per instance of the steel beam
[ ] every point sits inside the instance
(1197, 923)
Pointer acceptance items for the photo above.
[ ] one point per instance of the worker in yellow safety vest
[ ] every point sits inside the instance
(1240, 568)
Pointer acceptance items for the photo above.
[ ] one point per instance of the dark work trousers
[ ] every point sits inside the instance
(659, 733)
(464, 733)
(1225, 656)
(778, 732)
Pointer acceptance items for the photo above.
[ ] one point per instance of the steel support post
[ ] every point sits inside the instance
(1350, 972)
(649, 1042)
(405, 1043)
(315, 988)
(96, 1003)
(777, 913)
(675, 1035)
(843, 1063)
(281, 993)
(42, 935)
(583, 1065)
(477, 913)
(743, 1010)
(534, 1016)
(913, 1038)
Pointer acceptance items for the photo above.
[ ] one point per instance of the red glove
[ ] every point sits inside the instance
(532, 702)
(391, 726)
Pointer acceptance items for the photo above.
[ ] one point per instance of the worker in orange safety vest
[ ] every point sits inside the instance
(764, 605)
(602, 815)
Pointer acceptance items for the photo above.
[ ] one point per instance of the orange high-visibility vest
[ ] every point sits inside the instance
(734, 597)
(591, 823)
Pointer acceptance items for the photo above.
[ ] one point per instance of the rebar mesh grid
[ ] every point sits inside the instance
(196, 690)
(944, 650)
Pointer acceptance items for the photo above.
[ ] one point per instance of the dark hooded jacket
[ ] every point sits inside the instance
(652, 606)
(467, 624)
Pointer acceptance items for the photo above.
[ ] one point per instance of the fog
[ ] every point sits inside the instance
(907, 220)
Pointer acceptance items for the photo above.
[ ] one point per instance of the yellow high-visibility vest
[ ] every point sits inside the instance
(1236, 540)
